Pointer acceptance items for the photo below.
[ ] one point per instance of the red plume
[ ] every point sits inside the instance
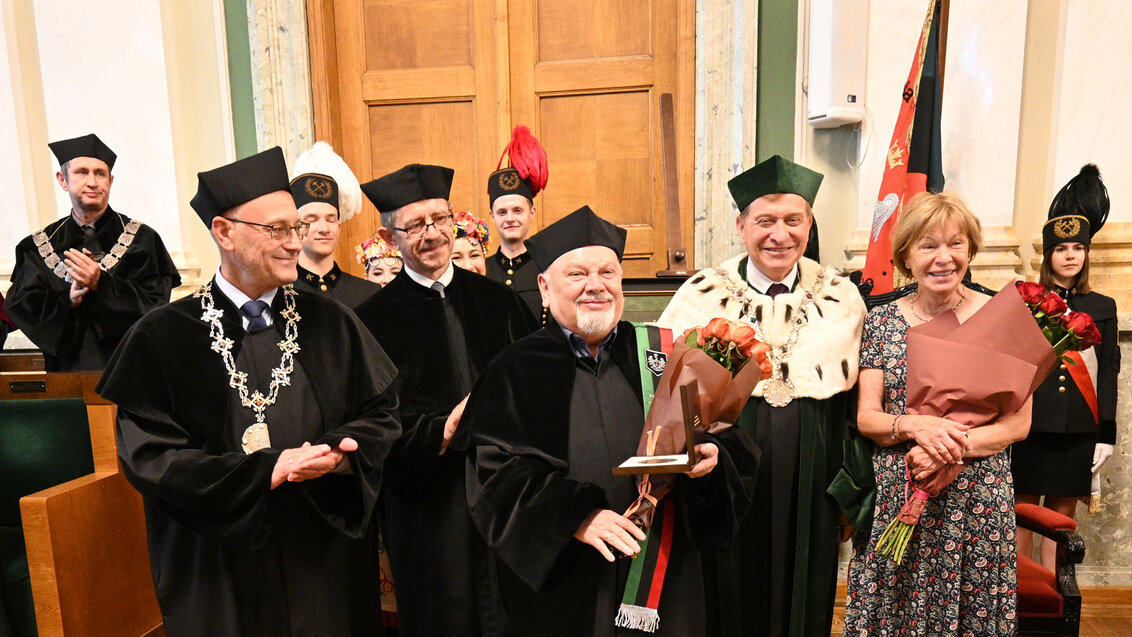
(526, 155)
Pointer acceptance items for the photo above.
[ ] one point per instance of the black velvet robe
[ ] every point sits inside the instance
(230, 556)
(84, 336)
(429, 538)
(528, 496)
(521, 275)
(347, 289)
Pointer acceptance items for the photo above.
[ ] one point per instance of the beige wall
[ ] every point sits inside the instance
(148, 78)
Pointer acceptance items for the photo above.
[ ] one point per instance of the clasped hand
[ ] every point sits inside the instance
(310, 461)
(939, 442)
(84, 272)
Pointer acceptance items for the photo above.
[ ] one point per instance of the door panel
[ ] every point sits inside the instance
(444, 81)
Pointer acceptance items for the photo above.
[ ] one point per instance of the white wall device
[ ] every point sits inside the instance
(838, 41)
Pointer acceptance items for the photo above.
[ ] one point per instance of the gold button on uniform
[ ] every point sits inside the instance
(1061, 378)
(1061, 390)
(1063, 366)
(323, 286)
(508, 281)
(510, 272)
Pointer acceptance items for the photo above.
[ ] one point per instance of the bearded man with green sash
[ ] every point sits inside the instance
(548, 420)
(779, 576)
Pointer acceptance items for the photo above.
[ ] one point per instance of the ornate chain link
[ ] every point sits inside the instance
(280, 376)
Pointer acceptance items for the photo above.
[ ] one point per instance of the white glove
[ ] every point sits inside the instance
(1100, 454)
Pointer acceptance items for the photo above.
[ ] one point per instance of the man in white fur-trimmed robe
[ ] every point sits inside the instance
(779, 576)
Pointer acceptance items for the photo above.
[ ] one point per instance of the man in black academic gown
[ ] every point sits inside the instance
(548, 421)
(324, 202)
(511, 194)
(440, 325)
(254, 420)
(82, 281)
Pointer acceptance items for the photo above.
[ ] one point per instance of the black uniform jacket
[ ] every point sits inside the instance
(1057, 411)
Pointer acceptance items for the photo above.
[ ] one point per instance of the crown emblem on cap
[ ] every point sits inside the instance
(318, 188)
(509, 180)
(1066, 228)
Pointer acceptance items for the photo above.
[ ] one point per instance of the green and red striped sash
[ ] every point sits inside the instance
(641, 600)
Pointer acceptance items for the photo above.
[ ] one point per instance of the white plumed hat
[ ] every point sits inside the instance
(322, 159)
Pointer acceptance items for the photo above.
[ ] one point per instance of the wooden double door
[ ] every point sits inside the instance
(444, 81)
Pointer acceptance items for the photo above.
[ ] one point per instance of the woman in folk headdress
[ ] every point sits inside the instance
(381, 260)
(1074, 425)
(469, 245)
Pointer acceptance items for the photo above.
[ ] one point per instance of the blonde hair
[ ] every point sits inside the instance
(925, 212)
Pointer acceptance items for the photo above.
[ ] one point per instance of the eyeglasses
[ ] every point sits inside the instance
(415, 230)
(280, 233)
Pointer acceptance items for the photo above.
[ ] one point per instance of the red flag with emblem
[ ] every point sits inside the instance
(913, 162)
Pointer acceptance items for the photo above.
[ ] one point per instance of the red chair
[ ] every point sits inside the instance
(1048, 603)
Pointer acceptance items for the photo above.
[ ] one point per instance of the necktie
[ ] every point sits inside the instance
(254, 310)
(775, 289)
(90, 243)
(457, 343)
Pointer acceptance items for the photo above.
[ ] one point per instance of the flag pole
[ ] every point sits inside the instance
(944, 12)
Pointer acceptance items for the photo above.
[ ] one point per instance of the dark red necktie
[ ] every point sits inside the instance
(775, 289)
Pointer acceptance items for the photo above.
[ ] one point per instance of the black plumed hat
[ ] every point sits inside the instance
(1078, 211)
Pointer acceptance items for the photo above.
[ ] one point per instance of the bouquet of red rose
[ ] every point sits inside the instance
(973, 373)
(1064, 329)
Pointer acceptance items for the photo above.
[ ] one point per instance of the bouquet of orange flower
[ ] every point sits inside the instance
(1065, 330)
(726, 360)
(723, 361)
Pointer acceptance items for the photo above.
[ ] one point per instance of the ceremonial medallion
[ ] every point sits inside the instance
(778, 392)
(255, 438)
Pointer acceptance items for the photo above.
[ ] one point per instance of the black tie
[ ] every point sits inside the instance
(90, 243)
(254, 310)
(775, 289)
(457, 343)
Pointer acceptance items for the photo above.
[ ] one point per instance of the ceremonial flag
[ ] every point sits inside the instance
(913, 162)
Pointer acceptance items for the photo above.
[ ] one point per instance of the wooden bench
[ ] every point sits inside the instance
(86, 541)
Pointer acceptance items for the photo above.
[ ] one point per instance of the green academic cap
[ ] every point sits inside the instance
(773, 176)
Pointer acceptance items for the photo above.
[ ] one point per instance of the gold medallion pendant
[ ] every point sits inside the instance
(778, 392)
(255, 438)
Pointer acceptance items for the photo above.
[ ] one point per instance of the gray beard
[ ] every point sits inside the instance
(596, 323)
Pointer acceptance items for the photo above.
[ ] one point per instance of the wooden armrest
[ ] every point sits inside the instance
(88, 559)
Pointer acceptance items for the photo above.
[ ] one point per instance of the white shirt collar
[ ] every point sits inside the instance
(444, 279)
(761, 282)
(238, 298)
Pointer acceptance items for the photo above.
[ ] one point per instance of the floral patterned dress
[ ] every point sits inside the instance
(958, 576)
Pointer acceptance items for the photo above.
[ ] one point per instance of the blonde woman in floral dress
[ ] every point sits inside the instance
(958, 575)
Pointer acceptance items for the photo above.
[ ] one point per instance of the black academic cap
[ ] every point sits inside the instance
(578, 229)
(312, 187)
(221, 189)
(774, 176)
(86, 146)
(415, 182)
(1078, 210)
